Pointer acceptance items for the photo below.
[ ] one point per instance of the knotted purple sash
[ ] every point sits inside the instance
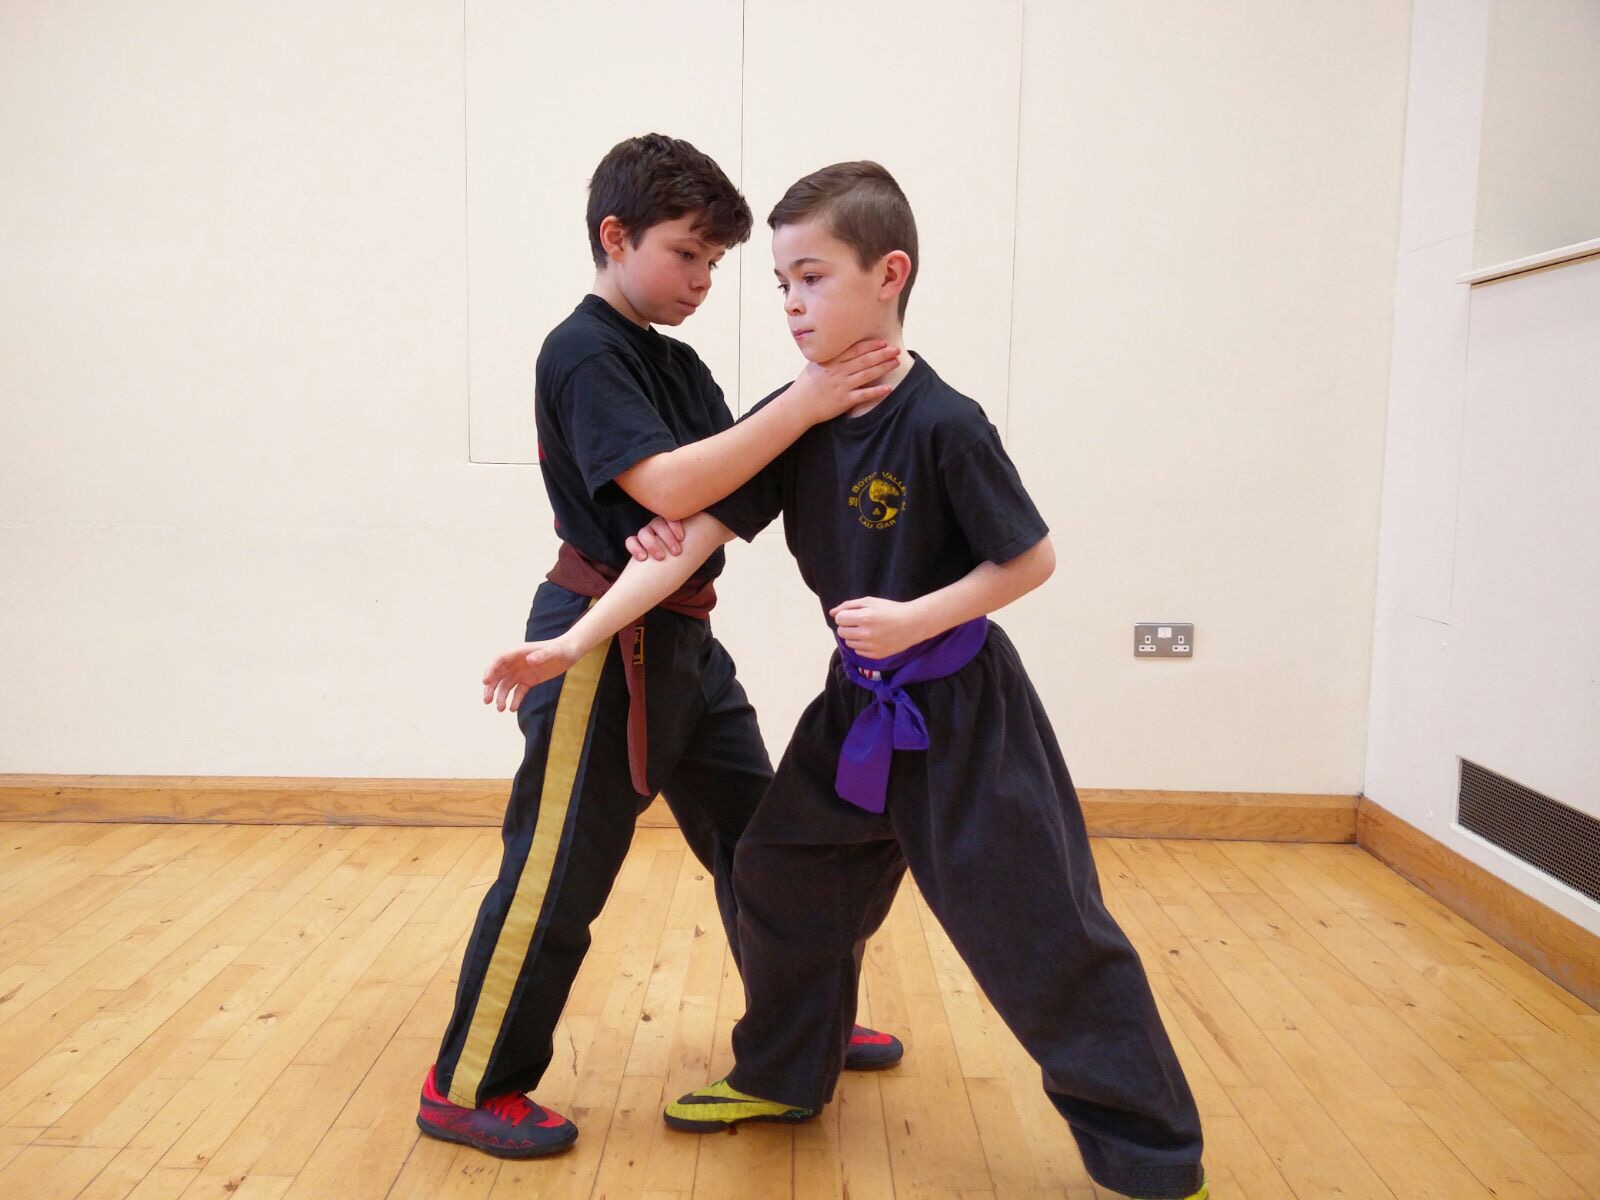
(892, 722)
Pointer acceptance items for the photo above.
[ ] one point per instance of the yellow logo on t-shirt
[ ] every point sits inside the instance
(878, 500)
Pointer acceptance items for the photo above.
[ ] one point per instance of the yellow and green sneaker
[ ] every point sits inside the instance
(1203, 1194)
(719, 1106)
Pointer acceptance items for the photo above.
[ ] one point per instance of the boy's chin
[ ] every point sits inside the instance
(812, 352)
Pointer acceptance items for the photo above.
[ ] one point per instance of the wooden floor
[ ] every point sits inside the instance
(246, 1012)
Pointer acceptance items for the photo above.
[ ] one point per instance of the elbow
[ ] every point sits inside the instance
(1045, 566)
(670, 497)
(659, 496)
(655, 484)
(674, 505)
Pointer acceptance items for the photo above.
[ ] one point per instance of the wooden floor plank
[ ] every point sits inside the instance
(227, 1012)
(1408, 1031)
(52, 1172)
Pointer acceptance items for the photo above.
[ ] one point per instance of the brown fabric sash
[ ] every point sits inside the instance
(579, 573)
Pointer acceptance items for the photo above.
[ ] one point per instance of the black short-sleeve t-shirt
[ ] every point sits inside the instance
(897, 503)
(607, 395)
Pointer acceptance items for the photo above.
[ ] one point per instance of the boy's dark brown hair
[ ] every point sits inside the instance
(862, 206)
(647, 180)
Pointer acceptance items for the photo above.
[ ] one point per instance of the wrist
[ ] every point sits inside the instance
(802, 401)
(571, 644)
(924, 619)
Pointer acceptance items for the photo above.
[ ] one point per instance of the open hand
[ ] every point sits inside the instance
(841, 383)
(513, 674)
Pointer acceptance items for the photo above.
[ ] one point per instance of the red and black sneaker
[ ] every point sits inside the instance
(870, 1050)
(509, 1126)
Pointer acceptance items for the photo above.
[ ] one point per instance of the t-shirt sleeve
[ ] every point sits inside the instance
(751, 508)
(609, 423)
(716, 404)
(992, 507)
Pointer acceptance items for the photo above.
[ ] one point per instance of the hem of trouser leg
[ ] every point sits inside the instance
(444, 1087)
(780, 1089)
(1150, 1182)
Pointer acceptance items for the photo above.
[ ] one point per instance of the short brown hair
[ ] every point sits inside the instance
(647, 180)
(863, 207)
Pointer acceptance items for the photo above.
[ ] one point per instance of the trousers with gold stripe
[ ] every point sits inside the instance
(569, 823)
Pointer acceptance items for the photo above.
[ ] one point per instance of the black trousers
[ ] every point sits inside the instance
(988, 823)
(570, 821)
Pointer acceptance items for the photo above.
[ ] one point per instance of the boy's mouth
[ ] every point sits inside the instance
(800, 333)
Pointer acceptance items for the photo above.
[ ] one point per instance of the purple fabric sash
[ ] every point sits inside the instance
(892, 722)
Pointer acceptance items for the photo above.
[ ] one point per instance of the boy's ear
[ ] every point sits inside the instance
(893, 272)
(613, 238)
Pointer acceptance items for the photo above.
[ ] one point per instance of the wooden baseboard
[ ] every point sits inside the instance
(1541, 937)
(1220, 816)
(263, 800)
(252, 800)
(248, 800)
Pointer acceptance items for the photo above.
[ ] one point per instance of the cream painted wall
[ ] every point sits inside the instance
(1539, 186)
(239, 525)
(1208, 210)
(240, 533)
(1485, 645)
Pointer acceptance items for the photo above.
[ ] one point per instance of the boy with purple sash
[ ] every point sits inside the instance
(928, 748)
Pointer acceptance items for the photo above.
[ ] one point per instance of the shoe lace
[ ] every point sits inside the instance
(513, 1107)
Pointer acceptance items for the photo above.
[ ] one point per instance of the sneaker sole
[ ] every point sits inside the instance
(461, 1139)
(875, 1066)
(684, 1125)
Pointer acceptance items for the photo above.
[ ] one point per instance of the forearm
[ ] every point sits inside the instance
(685, 481)
(987, 588)
(645, 584)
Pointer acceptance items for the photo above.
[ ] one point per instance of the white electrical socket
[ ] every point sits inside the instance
(1163, 639)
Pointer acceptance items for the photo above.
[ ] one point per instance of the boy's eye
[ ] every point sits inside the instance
(810, 279)
(686, 255)
(784, 288)
(712, 266)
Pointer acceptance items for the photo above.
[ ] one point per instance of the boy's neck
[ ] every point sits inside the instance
(895, 336)
(606, 288)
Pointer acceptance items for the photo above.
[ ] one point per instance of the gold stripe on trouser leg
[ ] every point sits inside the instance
(567, 737)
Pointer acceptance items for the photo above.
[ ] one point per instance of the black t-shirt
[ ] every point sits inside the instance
(607, 395)
(897, 503)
